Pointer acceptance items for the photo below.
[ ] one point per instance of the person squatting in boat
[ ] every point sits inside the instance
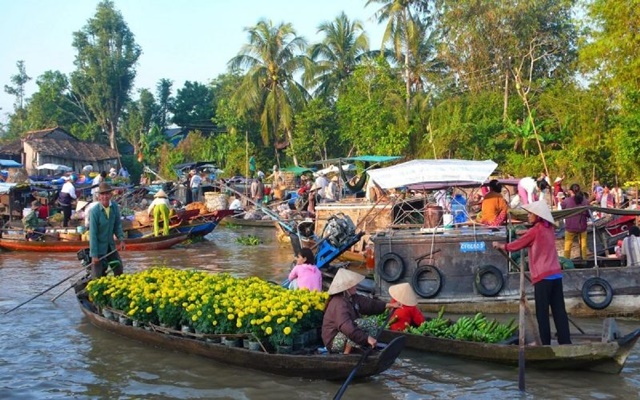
(342, 325)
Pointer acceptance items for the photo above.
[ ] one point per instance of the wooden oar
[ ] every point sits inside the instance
(521, 327)
(56, 285)
(366, 353)
(45, 291)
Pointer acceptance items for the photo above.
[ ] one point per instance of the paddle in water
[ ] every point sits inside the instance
(366, 353)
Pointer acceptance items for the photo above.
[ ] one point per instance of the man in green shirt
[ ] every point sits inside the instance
(104, 224)
(32, 225)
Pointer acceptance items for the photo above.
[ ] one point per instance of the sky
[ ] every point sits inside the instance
(180, 39)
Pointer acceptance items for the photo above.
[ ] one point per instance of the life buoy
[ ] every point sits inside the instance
(497, 276)
(429, 273)
(586, 293)
(393, 262)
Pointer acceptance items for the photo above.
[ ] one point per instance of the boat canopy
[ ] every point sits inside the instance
(370, 159)
(9, 164)
(415, 172)
(54, 167)
(296, 170)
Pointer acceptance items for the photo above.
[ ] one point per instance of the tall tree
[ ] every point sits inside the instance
(272, 57)
(106, 59)
(165, 102)
(401, 29)
(194, 108)
(337, 56)
(138, 119)
(19, 82)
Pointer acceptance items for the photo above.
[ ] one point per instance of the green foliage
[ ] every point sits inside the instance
(370, 111)
(194, 106)
(316, 133)
(249, 240)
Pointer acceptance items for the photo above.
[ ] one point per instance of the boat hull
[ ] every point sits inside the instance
(314, 366)
(462, 258)
(142, 244)
(607, 357)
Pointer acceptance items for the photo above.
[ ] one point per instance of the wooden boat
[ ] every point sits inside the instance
(456, 266)
(591, 353)
(142, 244)
(192, 229)
(308, 366)
(258, 223)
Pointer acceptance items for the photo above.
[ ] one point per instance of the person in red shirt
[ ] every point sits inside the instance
(408, 314)
(546, 273)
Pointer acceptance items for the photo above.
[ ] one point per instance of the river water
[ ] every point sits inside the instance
(49, 350)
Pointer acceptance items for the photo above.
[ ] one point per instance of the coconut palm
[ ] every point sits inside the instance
(273, 55)
(335, 58)
(402, 27)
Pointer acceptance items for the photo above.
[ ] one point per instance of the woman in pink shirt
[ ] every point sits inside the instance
(305, 275)
(546, 273)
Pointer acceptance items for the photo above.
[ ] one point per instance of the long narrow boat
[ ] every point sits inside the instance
(142, 244)
(192, 229)
(588, 353)
(309, 366)
(258, 223)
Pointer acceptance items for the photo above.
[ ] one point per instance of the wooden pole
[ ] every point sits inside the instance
(521, 327)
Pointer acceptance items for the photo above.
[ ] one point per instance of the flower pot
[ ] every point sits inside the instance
(107, 314)
(232, 342)
(254, 345)
(137, 324)
(299, 342)
(281, 349)
(124, 320)
(185, 329)
(245, 343)
(214, 340)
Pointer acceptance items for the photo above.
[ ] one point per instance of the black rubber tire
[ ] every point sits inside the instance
(482, 289)
(397, 273)
(434, 274)
(608, 293)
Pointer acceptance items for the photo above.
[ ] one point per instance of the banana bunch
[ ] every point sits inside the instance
(477, 328)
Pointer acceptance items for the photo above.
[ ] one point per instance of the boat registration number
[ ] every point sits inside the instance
(470, 247)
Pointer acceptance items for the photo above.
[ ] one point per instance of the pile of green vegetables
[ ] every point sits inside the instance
(476, 329)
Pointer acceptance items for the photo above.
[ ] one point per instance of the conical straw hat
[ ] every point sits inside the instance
(541, 209)
(344, 280)
(403, 294)
(160, 193)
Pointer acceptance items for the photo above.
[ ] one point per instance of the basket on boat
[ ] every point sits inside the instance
(216, 201)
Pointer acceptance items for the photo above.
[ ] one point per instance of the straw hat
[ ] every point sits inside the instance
(104, 187)
(160, 193)
(35, 204)
(403, 294)
(314, 187)
(344, 280)
(541, 209)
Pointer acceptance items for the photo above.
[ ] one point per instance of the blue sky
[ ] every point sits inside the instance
(181, 40)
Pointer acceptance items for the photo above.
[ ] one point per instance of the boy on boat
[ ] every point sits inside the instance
(32, 225)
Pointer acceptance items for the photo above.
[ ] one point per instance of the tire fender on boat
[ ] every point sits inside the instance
(480, 286)
(430, 273)
(396, 266)
(608, 293)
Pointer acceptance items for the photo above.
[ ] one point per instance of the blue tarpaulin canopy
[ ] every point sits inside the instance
(10, 164)
(371, 159)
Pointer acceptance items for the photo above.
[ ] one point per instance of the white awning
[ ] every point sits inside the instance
(54, 167)
(426, 171)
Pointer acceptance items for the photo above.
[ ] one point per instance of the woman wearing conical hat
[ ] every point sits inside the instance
(342, 327)
(408, 313)
(161, 209)
(546, 273)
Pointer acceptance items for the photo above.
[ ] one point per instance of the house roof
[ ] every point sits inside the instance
(73, 149)
(59, 143)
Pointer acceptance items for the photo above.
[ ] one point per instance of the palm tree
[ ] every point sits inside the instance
(402, 27)
(336, 57)
(272, 57)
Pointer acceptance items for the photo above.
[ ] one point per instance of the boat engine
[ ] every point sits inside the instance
(339, 229)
